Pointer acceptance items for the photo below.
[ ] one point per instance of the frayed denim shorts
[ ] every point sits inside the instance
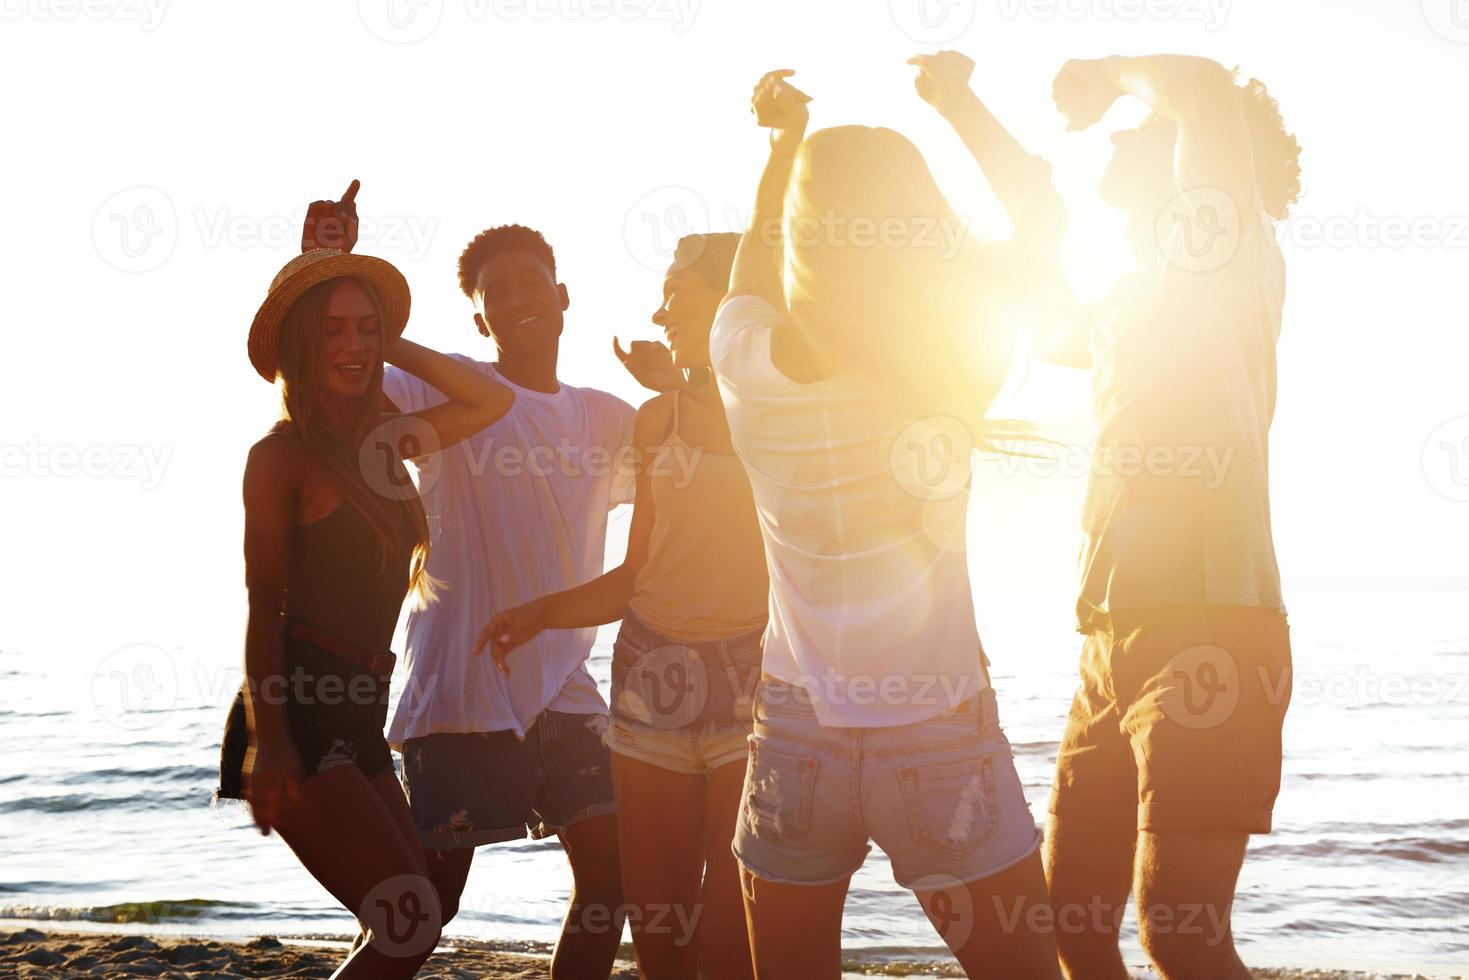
(941, 797)
(684, 707)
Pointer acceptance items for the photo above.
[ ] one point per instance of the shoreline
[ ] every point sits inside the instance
(34, 953)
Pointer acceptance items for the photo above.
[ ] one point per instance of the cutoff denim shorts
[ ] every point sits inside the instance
(941, 797)
(684, 707)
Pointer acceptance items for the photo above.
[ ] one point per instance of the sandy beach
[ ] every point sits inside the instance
(32, 953)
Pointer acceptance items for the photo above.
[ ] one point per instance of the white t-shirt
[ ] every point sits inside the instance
(870, 604)
(516, 511)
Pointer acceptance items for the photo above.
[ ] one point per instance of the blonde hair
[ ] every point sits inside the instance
(338, 451)
(882, 280)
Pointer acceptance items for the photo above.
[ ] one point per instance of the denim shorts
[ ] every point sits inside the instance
(685, 707)
(941, 797)
(484, 787)
(335, 714)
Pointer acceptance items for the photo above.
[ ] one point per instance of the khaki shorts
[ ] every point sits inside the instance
(1176, 725)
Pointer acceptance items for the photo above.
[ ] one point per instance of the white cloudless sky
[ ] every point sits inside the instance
(158, 156)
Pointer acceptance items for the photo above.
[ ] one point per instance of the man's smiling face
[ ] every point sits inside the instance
(519, 302)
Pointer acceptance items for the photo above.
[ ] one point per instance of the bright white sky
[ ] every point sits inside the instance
(210, 126)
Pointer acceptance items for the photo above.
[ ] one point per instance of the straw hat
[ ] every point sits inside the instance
(310, 269)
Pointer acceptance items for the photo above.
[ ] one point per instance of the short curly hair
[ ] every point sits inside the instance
(499, 239)
(1277, 153)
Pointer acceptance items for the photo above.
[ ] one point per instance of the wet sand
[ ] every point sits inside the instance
(31, 953)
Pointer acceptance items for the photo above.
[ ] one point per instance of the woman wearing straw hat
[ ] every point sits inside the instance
(335, 538)
(861, 343)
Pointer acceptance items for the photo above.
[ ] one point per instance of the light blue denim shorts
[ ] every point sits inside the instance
(684, 707)
(941, 797)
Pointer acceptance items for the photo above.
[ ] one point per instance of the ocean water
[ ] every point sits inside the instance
(110, 761)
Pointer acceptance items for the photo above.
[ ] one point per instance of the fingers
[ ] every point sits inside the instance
(351, 194)
(487, 635)
(622, 355)
(500, 661)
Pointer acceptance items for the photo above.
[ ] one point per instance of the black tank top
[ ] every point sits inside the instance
(338, 583)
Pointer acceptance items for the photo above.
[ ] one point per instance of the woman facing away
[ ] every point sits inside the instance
(692, 595)
(335, 538)
(859, 346)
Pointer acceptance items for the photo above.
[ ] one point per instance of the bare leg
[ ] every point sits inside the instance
(448, 870)
(1089, 867)
(660, 824)
(998, 926)
(352, 842)
(795, 930)
(593, 927)
(1185, 894)
(723, 939)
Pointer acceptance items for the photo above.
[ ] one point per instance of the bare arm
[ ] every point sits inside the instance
(1021, 181)
(475, 400)
(604, 599)
(272, 766)
(1030, 262)
(1214, 149)
(758, 261)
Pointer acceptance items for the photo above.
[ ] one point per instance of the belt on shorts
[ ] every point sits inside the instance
(367, 661)
(968, 706)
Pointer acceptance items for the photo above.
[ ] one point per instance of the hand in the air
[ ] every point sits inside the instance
(943, 78)
(332, 224)
(1084, 90)
(651, 363)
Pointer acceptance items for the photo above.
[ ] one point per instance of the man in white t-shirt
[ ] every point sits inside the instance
(515, 512)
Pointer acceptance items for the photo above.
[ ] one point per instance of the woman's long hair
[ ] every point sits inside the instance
(882, 280)
(397, 521)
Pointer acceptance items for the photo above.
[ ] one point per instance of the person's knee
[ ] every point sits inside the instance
(1184, 940)
(402, 918)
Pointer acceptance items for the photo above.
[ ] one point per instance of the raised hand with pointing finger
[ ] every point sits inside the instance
(332, 224)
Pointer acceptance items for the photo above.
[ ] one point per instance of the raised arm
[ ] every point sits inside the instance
(604, 599)
(1020, 180)
(758, 261)
(1214, 148)
(475, 399)
(1030, 262)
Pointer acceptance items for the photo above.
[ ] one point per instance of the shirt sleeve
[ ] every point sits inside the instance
(736, 323)
(403, 389)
